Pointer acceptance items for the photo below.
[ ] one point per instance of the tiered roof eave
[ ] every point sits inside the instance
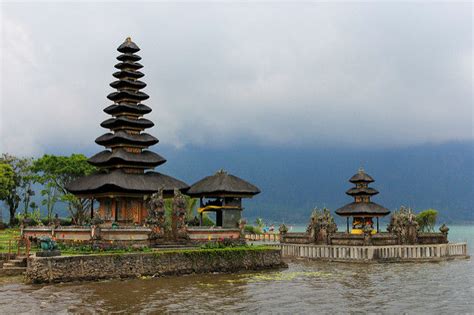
(125, 163)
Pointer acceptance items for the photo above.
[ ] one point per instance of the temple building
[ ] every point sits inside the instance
(126, 165)
(222, 193)
(362, 210)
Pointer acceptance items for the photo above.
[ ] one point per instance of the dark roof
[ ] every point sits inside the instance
(139, 109)
(122, 95)
(129, 57)
(146, 159)
(128, 65)
(118, 181)
(361, 176)
(128, 84)
(362, 191)
(123, 138)
(127, 124)
(362, 208)
(120, 122)
(222, 183)
(128, 74)
(128, 46)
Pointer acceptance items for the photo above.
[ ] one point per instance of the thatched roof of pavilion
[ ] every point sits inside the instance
(362, 208)
(117, 181)
(361, 176)
(221, 184)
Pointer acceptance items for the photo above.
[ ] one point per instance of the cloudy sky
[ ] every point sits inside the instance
(278, 74)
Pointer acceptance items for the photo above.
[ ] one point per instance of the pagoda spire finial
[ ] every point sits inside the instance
(221, 171)
(128, 39)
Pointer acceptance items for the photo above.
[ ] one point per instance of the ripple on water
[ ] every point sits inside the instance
(306, 286)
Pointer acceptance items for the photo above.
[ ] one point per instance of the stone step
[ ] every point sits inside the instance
(14, 268)
(15, 263)
(12, 271)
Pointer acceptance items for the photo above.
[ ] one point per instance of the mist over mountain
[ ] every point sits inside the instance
(294, 180)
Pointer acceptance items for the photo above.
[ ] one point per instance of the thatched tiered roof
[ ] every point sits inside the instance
(362, 205)
(125, 160)
(222, 184)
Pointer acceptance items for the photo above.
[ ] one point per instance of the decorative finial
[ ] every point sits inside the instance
(221, 171)
(361, 169)
(129, 39)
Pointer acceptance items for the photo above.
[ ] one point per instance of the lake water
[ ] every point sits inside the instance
(305, 287)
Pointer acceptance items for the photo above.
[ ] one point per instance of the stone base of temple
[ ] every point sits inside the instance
(394, 253)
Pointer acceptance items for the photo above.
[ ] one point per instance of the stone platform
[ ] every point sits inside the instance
(166, 262)
(394, 253)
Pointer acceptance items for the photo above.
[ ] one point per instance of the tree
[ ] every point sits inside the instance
(427, 220)
(28, 179)
(190, 206)
(54, 173)
(7, 180)
(51, 196)
(19, 185)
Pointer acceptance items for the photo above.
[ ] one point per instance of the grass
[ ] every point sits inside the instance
(71, 251)
(9, 234)
(9, 237)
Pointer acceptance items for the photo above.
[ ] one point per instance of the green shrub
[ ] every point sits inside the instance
(427, 220)
(206, 221)
(253, 229)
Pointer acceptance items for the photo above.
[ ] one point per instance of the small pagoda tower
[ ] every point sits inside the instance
(222, 193)
(362, 210)
(124, 178)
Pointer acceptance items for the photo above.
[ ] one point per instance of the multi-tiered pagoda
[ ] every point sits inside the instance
(362, 210)
(125, 165)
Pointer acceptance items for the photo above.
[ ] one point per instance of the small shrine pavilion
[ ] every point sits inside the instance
(125, 177)
(222, 193)
(362, 210)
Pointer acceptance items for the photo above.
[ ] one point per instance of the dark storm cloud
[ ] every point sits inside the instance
(305, 73)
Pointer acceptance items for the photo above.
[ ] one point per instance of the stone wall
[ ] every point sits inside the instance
(378, 239)
(296, 238)
(389, 253)
(200, 234)
(94, 267)
(86, 234)
(432, 238)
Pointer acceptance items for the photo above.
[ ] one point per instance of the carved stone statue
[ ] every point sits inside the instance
(321, 226)
(179, 215)
(444, 230)
(156, 214)
(241, 224)
(403, 224)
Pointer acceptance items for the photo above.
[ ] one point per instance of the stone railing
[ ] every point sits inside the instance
(377, 239)
(200, 234)
(264, 237)
(376, 253)
(85, 234)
